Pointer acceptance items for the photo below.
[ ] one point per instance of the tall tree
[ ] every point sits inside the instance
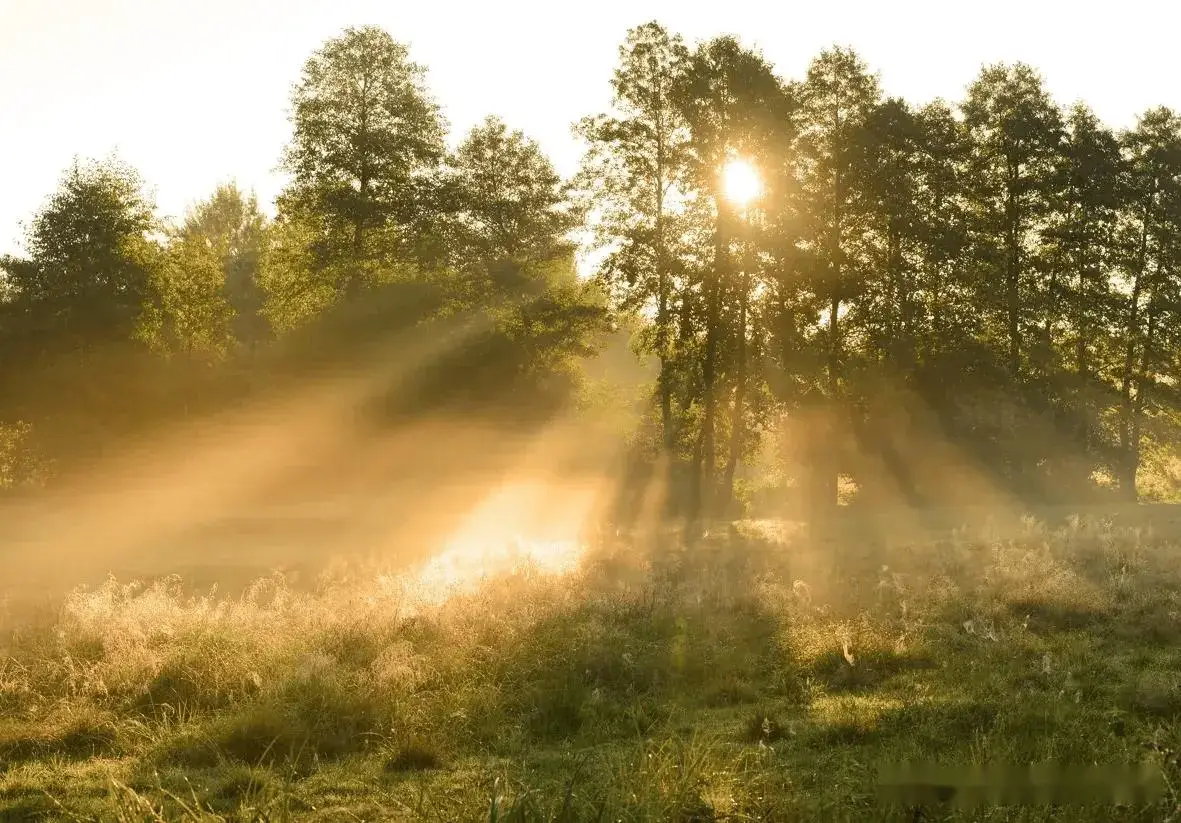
(1016, 131)
(837, 97)
(1081, 241)
(942, 153)
(1152, 267)
(735, 107)
(74, 327)
(636, 157)
(366, 134)
(886, 172)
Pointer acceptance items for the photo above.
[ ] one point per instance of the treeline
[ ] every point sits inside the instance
(915, 297)
(941, 298)
(387, 253)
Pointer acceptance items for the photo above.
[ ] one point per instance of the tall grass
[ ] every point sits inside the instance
(750, 676)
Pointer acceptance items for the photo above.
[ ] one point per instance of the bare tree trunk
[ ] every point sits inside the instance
(1143, 385)
(825, 487)
(738, 422)
(1130, 458)
(709, 370)
(662, 319)
(1013, 272)
(1080, 315)
(353, 286)
(357, 271)
(1082, 354)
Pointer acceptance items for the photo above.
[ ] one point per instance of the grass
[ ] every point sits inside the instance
(752, 676)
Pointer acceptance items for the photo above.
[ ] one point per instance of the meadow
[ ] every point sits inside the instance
(749, 292)
(759, 673)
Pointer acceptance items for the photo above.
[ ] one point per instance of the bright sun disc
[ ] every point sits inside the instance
(741, 182)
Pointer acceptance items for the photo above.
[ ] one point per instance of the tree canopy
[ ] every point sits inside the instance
(917, 299)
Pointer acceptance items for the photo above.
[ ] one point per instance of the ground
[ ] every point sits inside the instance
(757, 674)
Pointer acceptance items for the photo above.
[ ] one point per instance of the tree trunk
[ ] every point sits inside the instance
(357, 272)
(1143, 386)
(1013, 271)
(353, 286)
(696, 501)
(737, 424)
(825, 487)
(1080, 315)
(689, 504)
(709, 371)
(825, 447)
(662, 321)
(1082, 352)
(1130, 458)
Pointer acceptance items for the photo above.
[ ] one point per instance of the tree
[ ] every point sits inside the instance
(509, 203)
(1016, 133)
(188, 313)
(886, 173)
(837, 98)
(1151, 258)
(636, 156)
(1081, 241)
(296, 280)
(89, 260)
(74, 328)
(366, 137)
(230, 225)
(949, 310)
(735, 107)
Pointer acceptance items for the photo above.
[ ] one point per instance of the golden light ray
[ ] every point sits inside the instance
(535, 517)
(127, 510)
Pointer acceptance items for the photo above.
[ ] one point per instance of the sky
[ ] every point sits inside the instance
(195, 92)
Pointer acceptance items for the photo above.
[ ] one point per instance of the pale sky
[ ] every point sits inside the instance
(194, 93)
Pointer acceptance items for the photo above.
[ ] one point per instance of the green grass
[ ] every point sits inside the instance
(748, 677)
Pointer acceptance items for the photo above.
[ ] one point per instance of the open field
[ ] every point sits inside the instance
(753, 675)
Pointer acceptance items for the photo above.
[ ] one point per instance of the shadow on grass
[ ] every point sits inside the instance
(1056, 616)
(935, 724)
(77, 736)
(603, 668)
(304, 720)
(871, 669)
(22, 804)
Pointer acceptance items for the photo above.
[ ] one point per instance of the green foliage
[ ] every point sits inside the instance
(520, 358)
(635, 159)
(77, 305)
(89, 262)
(366, 136)
(190, 314)
(1016, 132)
(295, 285)
(233, 228)
(910, 281)
(508, 202)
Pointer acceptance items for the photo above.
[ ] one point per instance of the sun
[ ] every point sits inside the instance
(740, 182)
